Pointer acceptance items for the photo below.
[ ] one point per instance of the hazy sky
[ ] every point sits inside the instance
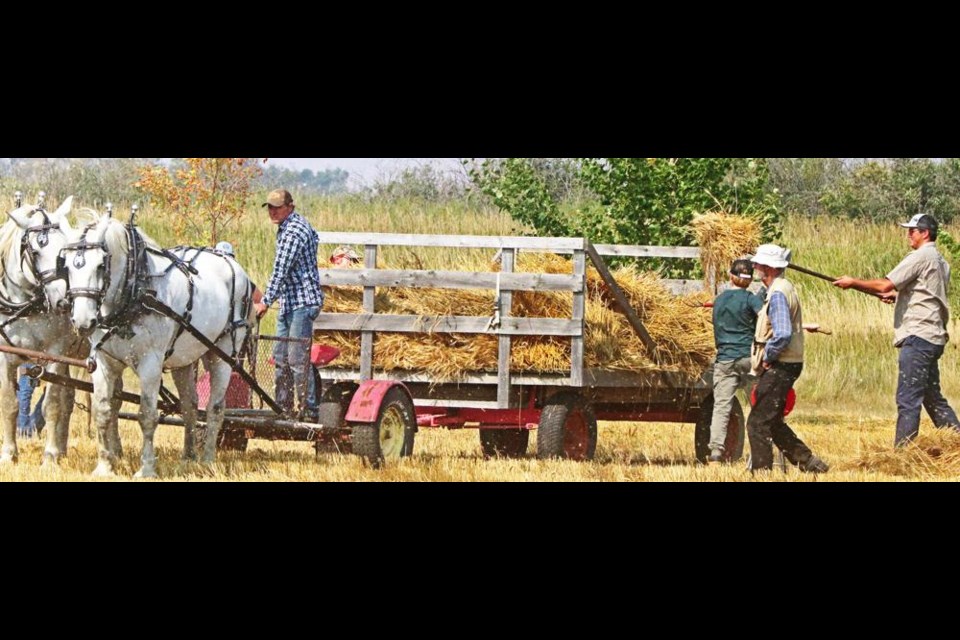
(364, 170)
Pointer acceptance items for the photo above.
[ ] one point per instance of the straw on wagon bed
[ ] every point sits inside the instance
(681, 329)
(679, 325)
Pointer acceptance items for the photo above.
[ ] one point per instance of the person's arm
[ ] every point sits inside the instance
(880, 286)
(258, 304)
(779, 312)
(287, 248)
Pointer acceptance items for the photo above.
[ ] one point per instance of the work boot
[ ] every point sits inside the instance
(814, 465)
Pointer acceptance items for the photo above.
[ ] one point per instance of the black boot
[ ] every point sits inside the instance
(814, 464)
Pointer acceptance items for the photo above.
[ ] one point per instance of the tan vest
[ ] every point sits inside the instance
(794, 350)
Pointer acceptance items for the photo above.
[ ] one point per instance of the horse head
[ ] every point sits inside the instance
(44, 236)
(88, 258)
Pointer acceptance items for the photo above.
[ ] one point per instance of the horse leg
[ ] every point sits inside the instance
(113, 429)
(103, 408)
(86, 398)
(68, 402)
(219, 380)
(149, 371)
(9, 408)
(54, 404)
(185, 379)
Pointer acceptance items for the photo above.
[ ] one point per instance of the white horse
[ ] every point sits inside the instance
(114, 275)
(31, 283)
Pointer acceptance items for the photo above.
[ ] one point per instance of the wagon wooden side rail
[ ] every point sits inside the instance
(501, 322)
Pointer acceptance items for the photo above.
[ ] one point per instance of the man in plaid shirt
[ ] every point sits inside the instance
(295, 282)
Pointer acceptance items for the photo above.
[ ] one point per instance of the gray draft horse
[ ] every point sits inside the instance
(116, 277)
(31, 283)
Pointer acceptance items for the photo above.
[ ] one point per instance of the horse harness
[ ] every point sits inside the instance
(137, 297)
(38, 303)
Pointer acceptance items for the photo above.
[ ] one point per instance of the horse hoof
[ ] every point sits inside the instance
(50, 463)
(103, 470)
(7, 459)
(146, 474)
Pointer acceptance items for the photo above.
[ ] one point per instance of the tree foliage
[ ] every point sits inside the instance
(206, 195)
(653, 200)
(874, 189)
(93, 181)
(627, 200)
(327, 182)
(424, 183)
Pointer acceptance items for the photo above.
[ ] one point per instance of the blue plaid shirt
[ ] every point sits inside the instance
(295, 281)
(779, 312)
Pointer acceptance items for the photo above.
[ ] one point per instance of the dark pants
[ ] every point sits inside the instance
(919, 384)
(766, 426)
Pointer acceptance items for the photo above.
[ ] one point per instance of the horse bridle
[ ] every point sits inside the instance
(39, 301)
(80, 260)
(59, 272)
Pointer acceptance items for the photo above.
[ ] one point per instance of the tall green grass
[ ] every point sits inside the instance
(855, 369)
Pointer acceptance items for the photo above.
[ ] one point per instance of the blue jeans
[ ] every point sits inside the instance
(919, 384)
(37, 416)
(25, 423)
(293, 359)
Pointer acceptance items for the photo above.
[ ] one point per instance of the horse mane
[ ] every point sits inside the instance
(10, 235)
(116, 237)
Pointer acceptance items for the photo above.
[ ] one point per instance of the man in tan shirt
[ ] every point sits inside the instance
(919, 286)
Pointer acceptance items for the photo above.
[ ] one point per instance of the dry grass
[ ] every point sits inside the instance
(845, 413)
(858, 448)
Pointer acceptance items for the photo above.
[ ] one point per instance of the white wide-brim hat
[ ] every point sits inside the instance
(771, 255)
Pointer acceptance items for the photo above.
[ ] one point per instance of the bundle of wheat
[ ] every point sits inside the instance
(723, 238)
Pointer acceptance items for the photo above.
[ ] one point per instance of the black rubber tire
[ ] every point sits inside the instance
(504, 443)
(332, 410)
(368, 439)
(568, 428)
(736, 432)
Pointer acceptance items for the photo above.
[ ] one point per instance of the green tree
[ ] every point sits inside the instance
(628, 200)
(889, 189)
(801, 182)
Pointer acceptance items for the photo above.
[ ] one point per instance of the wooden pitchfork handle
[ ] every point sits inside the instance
(811, 272)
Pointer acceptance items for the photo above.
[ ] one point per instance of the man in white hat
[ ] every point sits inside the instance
(919, 286)
(778, 360)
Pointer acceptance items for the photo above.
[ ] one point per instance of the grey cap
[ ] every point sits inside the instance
(225, 247)
(921, 221)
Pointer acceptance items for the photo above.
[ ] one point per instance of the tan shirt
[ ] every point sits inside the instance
(922, 309)
(794, 350)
